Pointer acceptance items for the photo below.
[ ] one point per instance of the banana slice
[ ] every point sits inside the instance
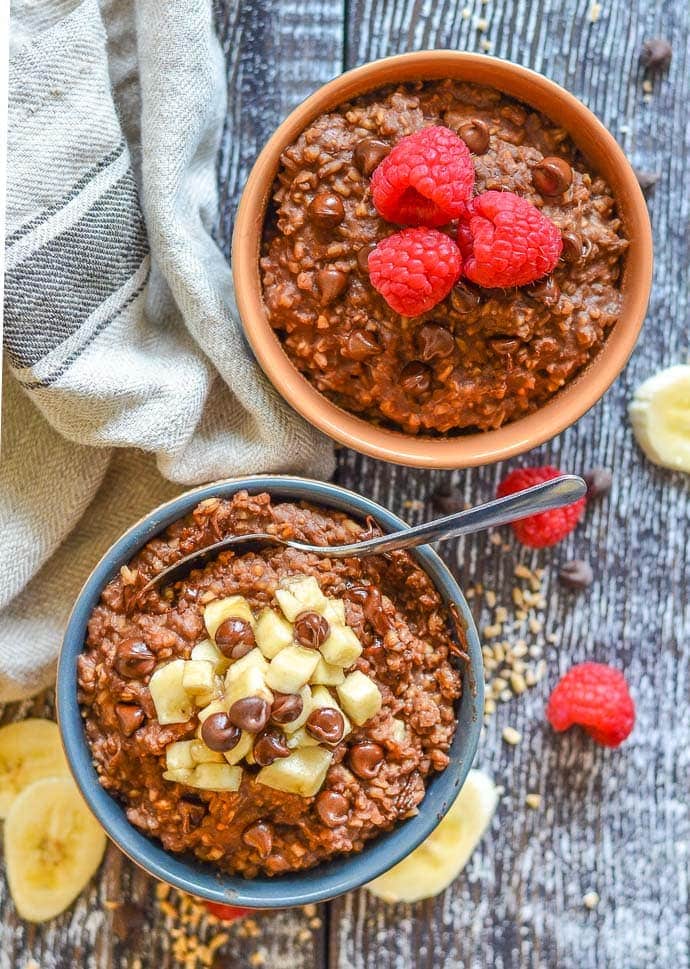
(660, 417)
(29, 750)
(437, 861)
(53, 846)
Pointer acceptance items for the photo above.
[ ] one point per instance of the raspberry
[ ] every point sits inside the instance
(506, 241)
(594, 696)
(548, 527)
(415, 269)
(228, 913)
(425, 180)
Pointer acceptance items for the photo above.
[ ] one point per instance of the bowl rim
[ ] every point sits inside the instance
(331, 878)
(466, 450)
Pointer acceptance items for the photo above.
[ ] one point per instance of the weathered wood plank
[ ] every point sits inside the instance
(615, 822)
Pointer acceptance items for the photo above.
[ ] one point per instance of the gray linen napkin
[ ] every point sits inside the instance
(126, 375)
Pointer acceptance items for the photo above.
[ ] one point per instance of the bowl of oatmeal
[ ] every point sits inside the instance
(276, 727)
(488, 371)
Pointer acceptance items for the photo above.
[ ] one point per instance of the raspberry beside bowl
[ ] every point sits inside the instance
(578, 394)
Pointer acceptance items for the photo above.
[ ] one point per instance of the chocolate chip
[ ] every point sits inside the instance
(250, 713)
(434, 341)
(448, 500)
(475, 134)
(599, 481)
(129, 920)
(327, 209)
(326, 725)
(332, 808)
(573, 249)
(545, 291)
(577, 574)
(372, 606)
(368, 154)
(193, 813)
(359, 345)
(269, 747)
(464, 298)
(130, 716)
(646, 180)
(366, 758)
(504, 345)
(656, 54)
(415, 378)
(363, 257)
(311, 629)
(259, 836)
(331, 283)
(552, 176)
(219, 733)
(134, 659)
(286, 707)
(235, 638)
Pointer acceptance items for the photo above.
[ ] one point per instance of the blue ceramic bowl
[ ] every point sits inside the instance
(202, 879)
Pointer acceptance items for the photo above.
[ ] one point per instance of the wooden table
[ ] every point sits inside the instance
(613, 822)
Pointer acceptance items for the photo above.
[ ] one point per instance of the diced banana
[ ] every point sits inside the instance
(172, 702)
(243, 747)
(178, 755)
(218, 610)
(303, 772)
(250, 682)
(29, 750)
(272, 633)
(216, 777)
(198, 677)
(300, 738)
(182, 775)
(201, 754)
(327, 674)
(360, 697)
(660, 416)
(208, 651)
(299, 594)
(216, 706)
(254, 658)
(341, 647)
(307, 707)
(334, 611)
(398, 730)
(290, 670)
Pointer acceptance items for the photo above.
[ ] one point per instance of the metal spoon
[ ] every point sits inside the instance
(560, 491)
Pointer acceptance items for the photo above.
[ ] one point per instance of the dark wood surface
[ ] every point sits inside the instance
(611, 822)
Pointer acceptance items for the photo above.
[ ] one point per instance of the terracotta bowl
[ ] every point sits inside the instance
(569, 404)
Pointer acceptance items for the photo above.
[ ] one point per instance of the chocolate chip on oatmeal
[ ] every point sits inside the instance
(552, 176)
(577, 574)
(359, 345)
(464, 298)
(326, 725)
(259, 836)
(251, 713)
(235, 638)
(573, 249)
(599, 481)
(415, 377)
(434, 341)
(366, 758)
(363, 256)
(332, 808)
(504, 344)
(134, 659)
(311, 629)
(369, 153)
(130, 716)
(475, 134)
(327, 209)
(219, 733)
(546, 291)
(656, 54)
(286, 707)
(269, 746)
(646, 180)
(331, 283)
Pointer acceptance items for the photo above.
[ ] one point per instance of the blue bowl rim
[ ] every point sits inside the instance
(331, 878)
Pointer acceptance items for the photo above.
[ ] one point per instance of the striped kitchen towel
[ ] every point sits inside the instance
(120, 331)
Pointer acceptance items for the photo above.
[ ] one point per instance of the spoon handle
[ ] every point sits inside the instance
(560, 491)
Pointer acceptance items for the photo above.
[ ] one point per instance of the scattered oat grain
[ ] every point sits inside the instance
(590, 900)
(511, 736)
(533, 801)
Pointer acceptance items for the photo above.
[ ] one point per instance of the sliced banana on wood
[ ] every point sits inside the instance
(53, 846)
(431, 867)
(660, 417)
(29, 750)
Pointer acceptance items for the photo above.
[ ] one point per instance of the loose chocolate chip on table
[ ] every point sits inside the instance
(259, 836)
(332, 808)
(646, 180)
(656, 54)
(434, 341)
(448, 500)
(368, 154)
(134, 659)
(326, 725)
(577, 574)
(130, 716)
(552, 176)
(359, 345)
(235, 638)
(475, 134)
(250, 713)
(363, 256)
(331, 283)
(599, 481)
(415, 378)
(219, 733)
(311, 629)
(366, 758)
(269, 747)
(286, 707)
(327, 209)
(129, 920)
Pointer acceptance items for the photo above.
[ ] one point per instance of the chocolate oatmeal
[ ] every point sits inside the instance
(275, 708)
(482, 357)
